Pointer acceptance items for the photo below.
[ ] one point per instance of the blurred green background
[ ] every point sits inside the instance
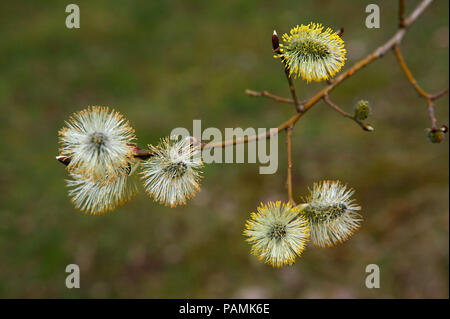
(163, 64)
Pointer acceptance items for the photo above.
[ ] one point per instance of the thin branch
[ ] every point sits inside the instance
(289, 164)
(365, 127)
(401, 13)
(417, 12)
(299, 107)
(408, 73)
(431, 115)
(337, 108)
(439, 94)
(143, 154)
(270, 96)
(247, 139)
(428, 97)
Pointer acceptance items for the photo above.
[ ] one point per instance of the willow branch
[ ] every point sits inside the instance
(345, 114)
(438, 95)
(336, 108)
(289, 166)
(143, 154)
(428, 97)
(408, 73)
(270, 96)
(401, 13)
(298, 106)
(417, 12)
(431, 115)
(378, 53)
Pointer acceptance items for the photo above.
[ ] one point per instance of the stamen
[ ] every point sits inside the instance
(278, 231)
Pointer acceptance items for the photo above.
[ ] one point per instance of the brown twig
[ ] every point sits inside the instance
(431, 115)
(438, 95)
(365, 127)
(401, 13)
(428, 97)
(270, 96)
(337, 108)
(298, 106)
(408, 73)
(417, 12)
(140, 153)
(289, 164)
(143, 154)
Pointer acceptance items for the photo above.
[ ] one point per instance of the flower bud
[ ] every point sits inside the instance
(437, 135)
(311, 52)
(362, 110)
(275, 41)
(332, 214)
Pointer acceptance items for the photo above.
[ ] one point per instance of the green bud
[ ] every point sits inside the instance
(362, 110)
(437, 135)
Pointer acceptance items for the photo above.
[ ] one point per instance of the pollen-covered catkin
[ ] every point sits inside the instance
(277, 233)
(172, 175)
(331, 213)
(312, 53)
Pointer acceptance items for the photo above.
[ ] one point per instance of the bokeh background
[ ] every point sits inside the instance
(165, 63)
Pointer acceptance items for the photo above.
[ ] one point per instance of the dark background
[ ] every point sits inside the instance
(163, 64)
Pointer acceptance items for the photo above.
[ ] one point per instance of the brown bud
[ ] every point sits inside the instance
(63, 159)
(134, 147)
(437, 135)
(275, 41)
